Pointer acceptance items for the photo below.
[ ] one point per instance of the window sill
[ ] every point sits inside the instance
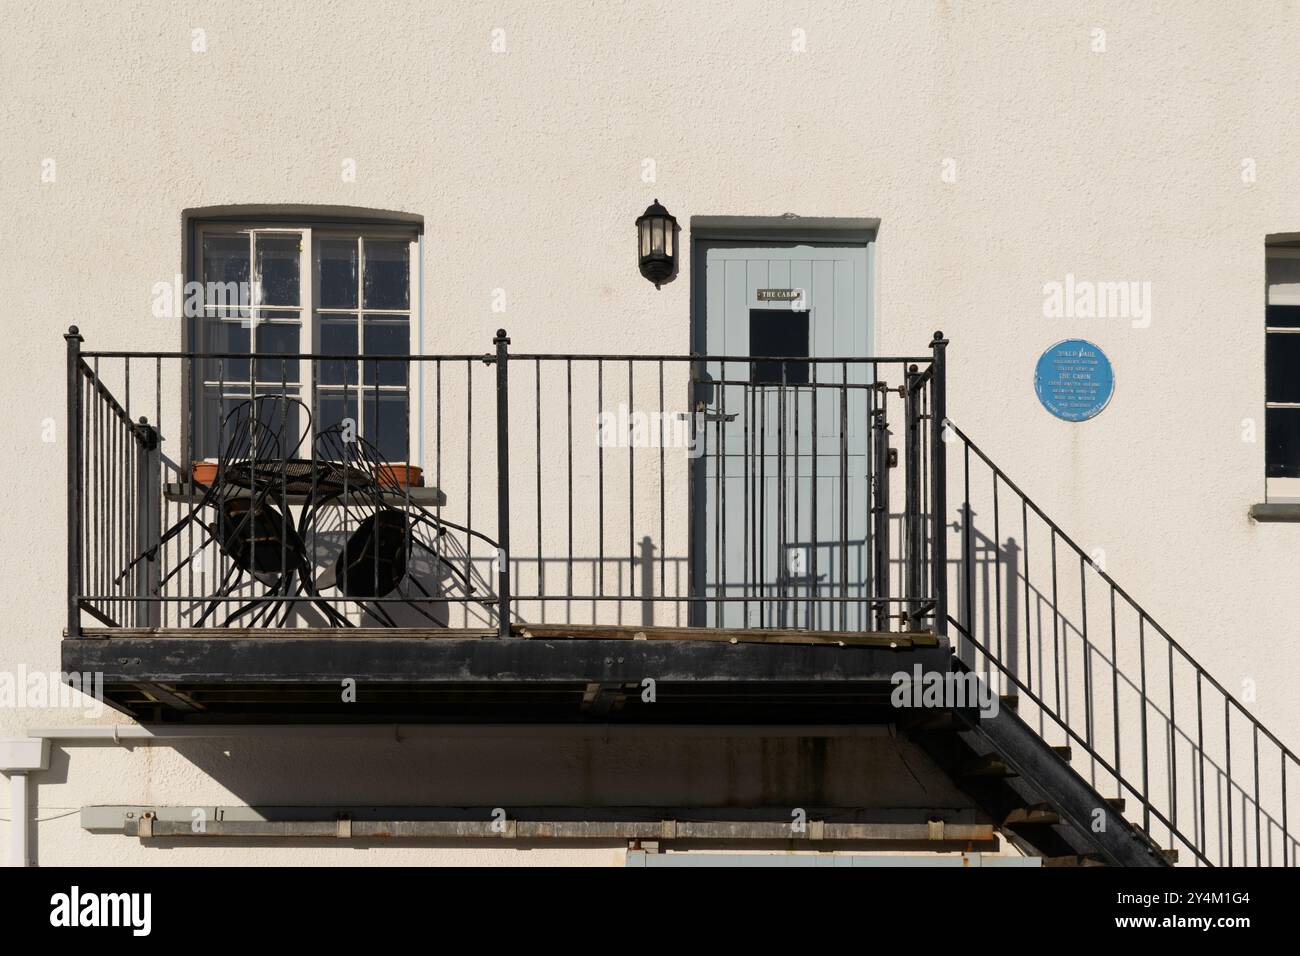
(1276, 511)
(175, 491)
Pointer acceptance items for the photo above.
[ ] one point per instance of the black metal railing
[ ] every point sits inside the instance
(1039, 615)
(688, 490)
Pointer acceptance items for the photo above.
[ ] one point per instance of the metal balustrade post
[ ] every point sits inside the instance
(880, 514)
(148, 510)
(939, 484)
(74, 340)
(502, 342)
(912, 506)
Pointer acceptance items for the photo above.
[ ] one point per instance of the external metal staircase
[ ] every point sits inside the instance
(1044, 807)
(1113, 745)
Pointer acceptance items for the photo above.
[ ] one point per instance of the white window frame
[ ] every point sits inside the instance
(309, 311)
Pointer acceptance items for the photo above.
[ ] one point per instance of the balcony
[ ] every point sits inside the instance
(502, 536)
(640, 539)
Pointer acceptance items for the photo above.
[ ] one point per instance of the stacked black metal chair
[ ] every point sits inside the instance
(373, 566)
(245, 512)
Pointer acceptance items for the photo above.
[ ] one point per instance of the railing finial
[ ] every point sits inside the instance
(939, 481)
(503, 483)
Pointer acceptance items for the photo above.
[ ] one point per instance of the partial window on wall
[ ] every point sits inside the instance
(273, 293)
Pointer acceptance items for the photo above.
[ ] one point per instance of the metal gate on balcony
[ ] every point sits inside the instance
(795, 523)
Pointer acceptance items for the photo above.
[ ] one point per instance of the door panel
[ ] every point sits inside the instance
(782, 489)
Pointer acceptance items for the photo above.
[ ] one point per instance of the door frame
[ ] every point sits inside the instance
(737, 232)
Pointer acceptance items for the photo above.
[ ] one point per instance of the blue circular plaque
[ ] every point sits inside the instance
(1074, 380)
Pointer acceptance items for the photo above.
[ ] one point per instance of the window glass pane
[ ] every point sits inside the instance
(277, 338)
(1282, 271)
(338, 273)
(332, 407)
(215, 407)
(279, 423)
(386, 428)
(228, 335)
(225, 274)
(1283, 367)
(277, 315)
(386, 338)
(1284, 316)
(1282, 427)
(277, 267)
(338, 336)
(225, 424)
(778, 332)
(388, 274)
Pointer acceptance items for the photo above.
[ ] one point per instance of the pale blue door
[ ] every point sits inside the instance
(781, 489)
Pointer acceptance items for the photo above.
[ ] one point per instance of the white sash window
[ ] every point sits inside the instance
(272, 293)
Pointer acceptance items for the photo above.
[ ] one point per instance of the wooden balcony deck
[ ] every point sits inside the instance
(550, 673)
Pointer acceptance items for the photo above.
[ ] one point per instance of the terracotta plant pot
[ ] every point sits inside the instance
(401, 476)
(391, 476)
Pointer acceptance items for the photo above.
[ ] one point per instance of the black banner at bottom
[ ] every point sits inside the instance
(363, 904)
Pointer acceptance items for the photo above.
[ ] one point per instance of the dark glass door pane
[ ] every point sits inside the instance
(779, 333)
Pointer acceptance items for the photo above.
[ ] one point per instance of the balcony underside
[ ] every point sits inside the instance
(549, 673)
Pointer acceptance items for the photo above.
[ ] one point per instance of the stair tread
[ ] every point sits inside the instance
(989, 765)
(1041, 815)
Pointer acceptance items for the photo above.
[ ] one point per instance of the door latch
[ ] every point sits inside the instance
(715, 416)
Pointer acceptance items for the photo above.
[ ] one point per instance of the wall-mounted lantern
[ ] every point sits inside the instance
(657, 244)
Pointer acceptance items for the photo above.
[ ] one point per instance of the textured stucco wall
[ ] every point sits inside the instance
(526, 164)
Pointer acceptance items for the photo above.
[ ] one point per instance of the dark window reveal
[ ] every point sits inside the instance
(1282, 365)
(1284, 316)
(1283, 442)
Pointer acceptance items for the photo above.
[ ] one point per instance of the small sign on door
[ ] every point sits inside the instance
(779, 295)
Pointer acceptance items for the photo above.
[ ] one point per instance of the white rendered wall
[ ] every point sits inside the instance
(1166, 159)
